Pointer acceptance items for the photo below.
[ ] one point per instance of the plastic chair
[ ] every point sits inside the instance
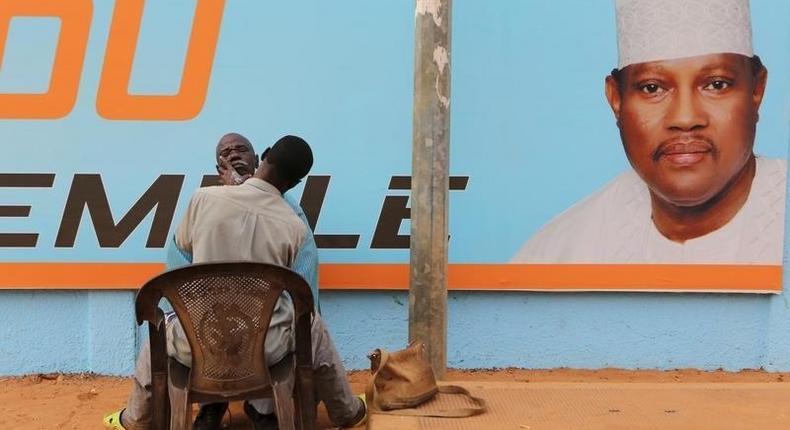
(225, 310)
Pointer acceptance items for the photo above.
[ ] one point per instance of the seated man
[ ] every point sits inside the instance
(249, 222)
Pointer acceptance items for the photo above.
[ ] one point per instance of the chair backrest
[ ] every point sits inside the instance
(225, 310)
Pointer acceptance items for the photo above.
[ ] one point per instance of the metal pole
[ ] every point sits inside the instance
(430, 181)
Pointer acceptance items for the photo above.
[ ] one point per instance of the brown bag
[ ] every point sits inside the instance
(404, 379)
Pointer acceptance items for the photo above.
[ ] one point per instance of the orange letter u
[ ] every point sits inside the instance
(114, 101)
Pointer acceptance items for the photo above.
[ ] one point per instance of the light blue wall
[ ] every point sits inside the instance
(95, 331)
(67, 331)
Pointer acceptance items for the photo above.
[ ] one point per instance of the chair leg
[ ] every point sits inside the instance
(159, 374)
(180, 409)
(284, 405)
(304, 399)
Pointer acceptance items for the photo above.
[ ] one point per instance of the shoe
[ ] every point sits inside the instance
(362, 415)
(210, 416)
(260, 421)
(112, 421)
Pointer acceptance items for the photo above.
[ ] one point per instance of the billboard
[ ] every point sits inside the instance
(110, 111)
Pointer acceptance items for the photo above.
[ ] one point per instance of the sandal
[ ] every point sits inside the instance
(113, 421)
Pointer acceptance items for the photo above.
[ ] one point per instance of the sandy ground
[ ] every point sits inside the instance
(54, 401)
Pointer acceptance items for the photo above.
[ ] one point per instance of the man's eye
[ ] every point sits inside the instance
(651, 89)
(717, 85)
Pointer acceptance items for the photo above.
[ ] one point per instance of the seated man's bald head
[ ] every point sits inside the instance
(238, 152)
(233, 137)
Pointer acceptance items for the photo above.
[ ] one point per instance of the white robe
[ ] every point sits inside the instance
(614, 225)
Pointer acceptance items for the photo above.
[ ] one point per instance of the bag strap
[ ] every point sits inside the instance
(478, 408)
(371, 392)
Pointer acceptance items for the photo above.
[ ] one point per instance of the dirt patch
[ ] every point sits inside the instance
(54, 401)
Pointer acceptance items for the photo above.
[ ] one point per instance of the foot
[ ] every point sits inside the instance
(362, 413)
(260, 421)
(210, 416)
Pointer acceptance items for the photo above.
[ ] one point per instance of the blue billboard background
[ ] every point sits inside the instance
(530, 124)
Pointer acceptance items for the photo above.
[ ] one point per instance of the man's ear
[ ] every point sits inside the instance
(257, 160)
(760, 81)
(612, 90)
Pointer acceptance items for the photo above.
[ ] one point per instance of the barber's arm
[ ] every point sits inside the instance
(306, 262)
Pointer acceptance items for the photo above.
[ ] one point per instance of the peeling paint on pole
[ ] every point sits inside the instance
(430, 181)
(431, 7)
(440, 58)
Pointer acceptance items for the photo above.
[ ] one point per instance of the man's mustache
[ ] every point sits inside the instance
(686, 144)
(240, 165)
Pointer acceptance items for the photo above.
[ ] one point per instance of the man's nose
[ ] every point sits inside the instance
(686, 111)
(234, 155)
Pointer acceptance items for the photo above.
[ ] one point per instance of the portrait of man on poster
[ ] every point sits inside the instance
(685, 96)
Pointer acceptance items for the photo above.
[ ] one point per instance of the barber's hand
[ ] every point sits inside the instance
(228, 175)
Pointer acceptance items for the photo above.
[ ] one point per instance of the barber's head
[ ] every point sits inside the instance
(686, 95)
(286, 162)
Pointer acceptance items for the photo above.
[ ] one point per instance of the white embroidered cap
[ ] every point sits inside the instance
(654, 30)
